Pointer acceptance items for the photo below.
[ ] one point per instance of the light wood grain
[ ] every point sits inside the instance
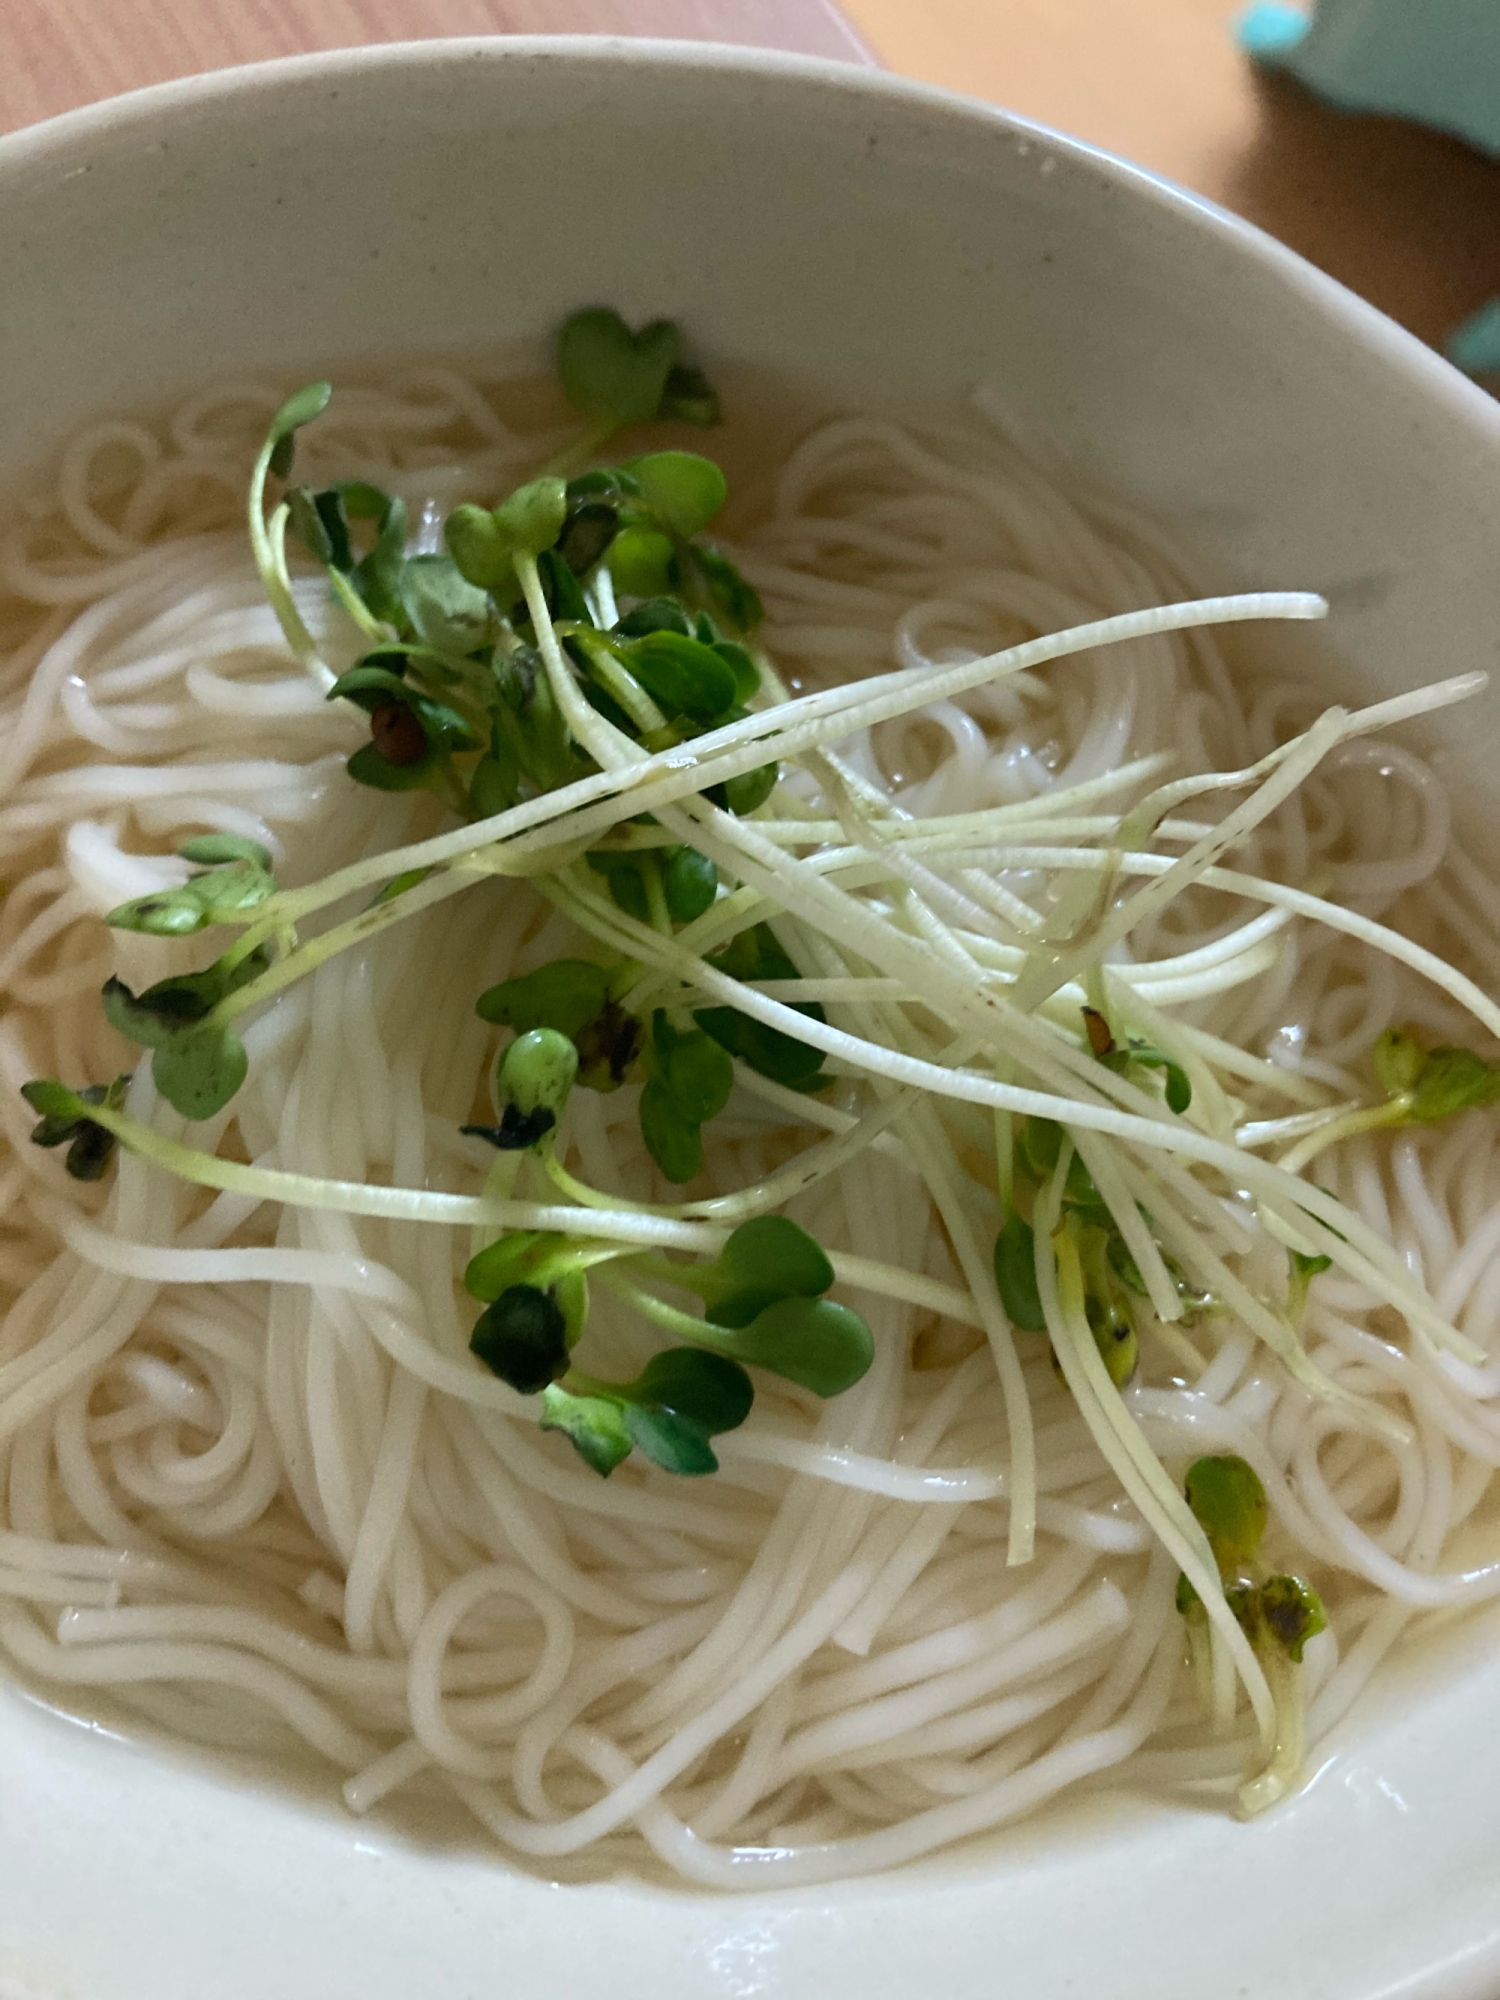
(57, 54)
(1408, 218)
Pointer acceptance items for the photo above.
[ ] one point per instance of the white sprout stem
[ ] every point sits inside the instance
(1293, 762)
(596, 803)
(1349, 1242)
(1140, 1472)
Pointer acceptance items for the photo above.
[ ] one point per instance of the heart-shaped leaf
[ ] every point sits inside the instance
(682, 1398)
(767, 1050)
(766, 1259)
(739, 662)
(610, 373)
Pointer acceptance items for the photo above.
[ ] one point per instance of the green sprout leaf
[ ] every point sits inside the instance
(594, 1424)
(566, 995)
(1309, 1267)
(611, 374)
(754, 955)
(690, 1081)
(674, 1142)
(743, 794)
(376, 576)
(1292, 1613)
(653, 614)
(681, 1399)
(1397, 1060)
(494, 781)
(739, 662)
(238, 882)
(532, 518)
(299, 408)
(691, 1069)
(215, 849)
(1137, 1054)
(681, 676)
(480, 548)
(512, 1259)
(65, 1122)
(196, 1067)
(625, 874)
(1041, 1148)
(411, 734)
(320, 523)
(591, 525)
(681, 488)
(1229, 1504)
(689, 396)
(690, 881)
(1428, 1085)
(198, 1072)
(765, 1260)
(817, 1342)
(1452, 1080)
(642, 562)
(484, 542)
(1279, 1615)
(522, 1338)
(763, 1306)
(1015, 1274)
(443, 608)
(534, 1076)
(727, 590)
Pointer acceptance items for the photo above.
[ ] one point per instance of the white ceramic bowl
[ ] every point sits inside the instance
(894, 246)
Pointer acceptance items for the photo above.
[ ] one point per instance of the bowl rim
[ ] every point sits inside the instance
(47, 144)
(47, 149)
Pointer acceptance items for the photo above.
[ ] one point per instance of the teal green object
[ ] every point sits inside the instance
(1475, 346)
(1436, 61)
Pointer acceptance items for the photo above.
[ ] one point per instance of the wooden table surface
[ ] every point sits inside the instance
(1406, 217)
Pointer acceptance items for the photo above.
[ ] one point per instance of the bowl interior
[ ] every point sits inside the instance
(887, 247)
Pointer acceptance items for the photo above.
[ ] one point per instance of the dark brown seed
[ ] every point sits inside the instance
(1101, 1041)
(397, 734)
